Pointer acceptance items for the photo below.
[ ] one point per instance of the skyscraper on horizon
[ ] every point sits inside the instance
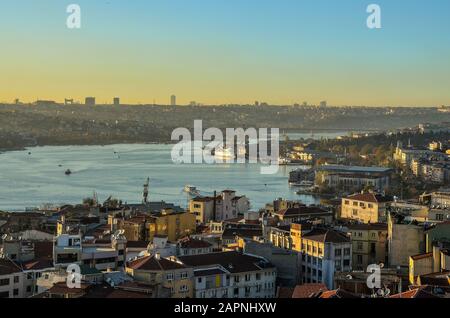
(173, 100)
(89, 101)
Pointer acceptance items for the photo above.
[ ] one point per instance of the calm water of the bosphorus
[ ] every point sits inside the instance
(35, 176)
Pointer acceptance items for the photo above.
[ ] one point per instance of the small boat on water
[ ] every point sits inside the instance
(224, 154)
(191, 190)
(307, 190)
(303, 184)
(68, 172)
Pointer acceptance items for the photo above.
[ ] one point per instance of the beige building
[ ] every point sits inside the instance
(437, 261)
(203, 209)
(156, 270)
(404, 240)
(365, 207)
(369, 244)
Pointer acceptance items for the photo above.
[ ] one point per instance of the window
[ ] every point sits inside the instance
(28, 289)
(320, 250)
(347, 202)
(338, 252)
(169, 276)
(258, 276)
(184, 275)
(370, 205)
(248, 277)
(314, 249)
(359, 259)
(236, 279)
(16, 292)
(16, 279)
(360, 246)
(346, 251)
(4, 294)
(346, 262)
(355, 212)
(184, 288)
(236, 292)
(337, 265)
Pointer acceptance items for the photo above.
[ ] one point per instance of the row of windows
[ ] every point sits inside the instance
(171, 276)
(361, 204)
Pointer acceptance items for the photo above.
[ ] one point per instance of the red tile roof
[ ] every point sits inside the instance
(308, 290)
(326, 235)
(370, 197)
(234, 262)
(422, 256)
(415, 293)
(192, 243)
(8, 267)
(151, 263)
(338, 293)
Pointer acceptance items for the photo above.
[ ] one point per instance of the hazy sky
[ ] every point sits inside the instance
(227, 51)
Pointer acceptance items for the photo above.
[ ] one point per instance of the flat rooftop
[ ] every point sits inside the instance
(353, 169)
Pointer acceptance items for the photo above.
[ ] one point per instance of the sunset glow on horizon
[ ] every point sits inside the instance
(227, 51)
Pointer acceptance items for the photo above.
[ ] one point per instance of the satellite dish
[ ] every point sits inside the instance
(381, 265)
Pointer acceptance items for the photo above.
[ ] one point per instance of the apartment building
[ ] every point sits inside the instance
(167, 222)
(302, 213)
(102, 255)
(369, 244)
(11, 280)
(232, 275)
(365, 207)
(171, 274)
(404, 239)
(227, 206)
(323, 253)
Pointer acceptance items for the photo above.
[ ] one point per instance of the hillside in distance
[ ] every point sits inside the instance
(31, 125)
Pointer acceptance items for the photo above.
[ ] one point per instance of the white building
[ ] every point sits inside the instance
(232, 275)
(11, 280)
(323, 253)
(72, 249)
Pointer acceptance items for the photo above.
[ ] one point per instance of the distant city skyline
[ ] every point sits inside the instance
(227, 52)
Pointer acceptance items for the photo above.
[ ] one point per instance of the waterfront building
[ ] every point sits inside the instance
(353, 178)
